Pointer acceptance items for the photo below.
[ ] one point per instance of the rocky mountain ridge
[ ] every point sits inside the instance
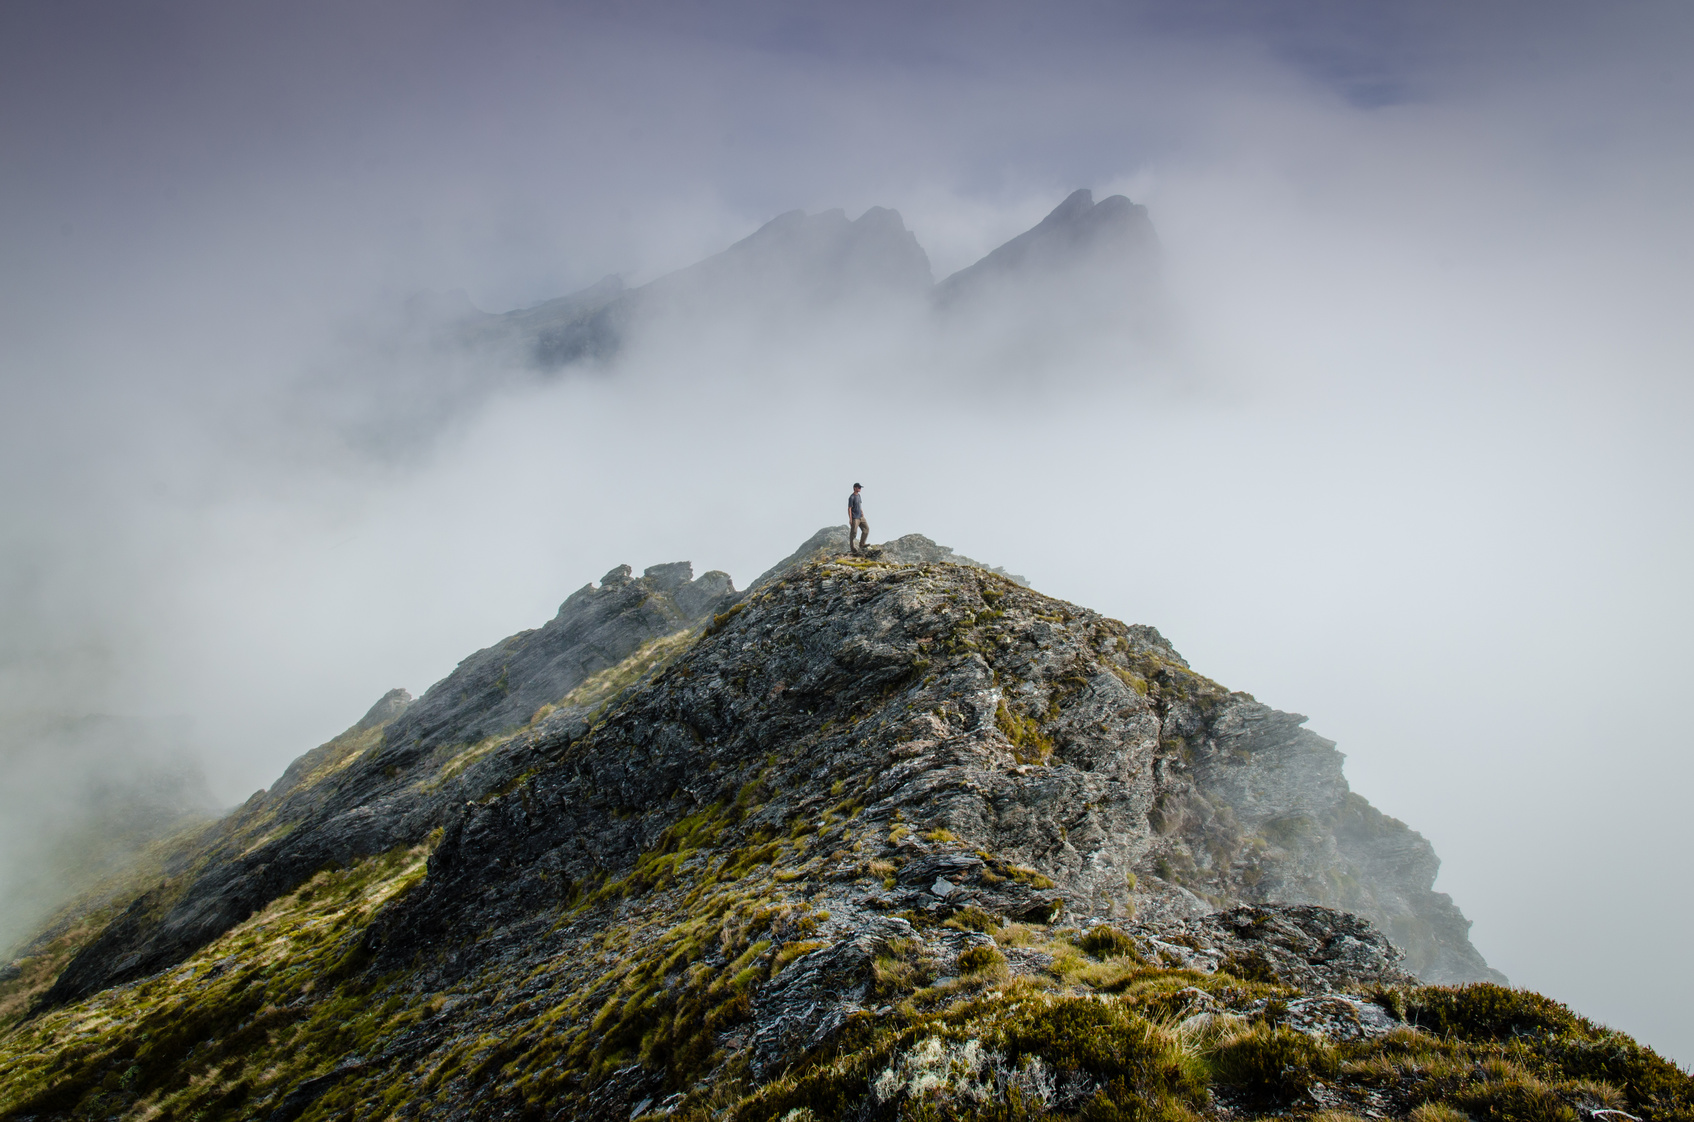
(343, 802)
(884, 837)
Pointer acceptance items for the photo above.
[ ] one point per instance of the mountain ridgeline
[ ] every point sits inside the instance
(798, 268)
(804, 295)
(882, 837)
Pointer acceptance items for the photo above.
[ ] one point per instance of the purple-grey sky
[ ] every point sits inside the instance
(1418, 466)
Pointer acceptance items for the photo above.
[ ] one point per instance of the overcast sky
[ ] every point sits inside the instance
(1417, 466)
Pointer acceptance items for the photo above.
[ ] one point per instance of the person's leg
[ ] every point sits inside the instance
(852, 523)
(864, 533)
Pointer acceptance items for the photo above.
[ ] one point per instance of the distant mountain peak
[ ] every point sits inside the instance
(1078, 202)
(800, 265)
(807, 258)
(1080, 242)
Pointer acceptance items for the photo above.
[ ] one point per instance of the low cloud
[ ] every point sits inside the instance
(84, 800)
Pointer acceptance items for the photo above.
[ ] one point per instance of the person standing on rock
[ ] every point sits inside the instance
(856, 521)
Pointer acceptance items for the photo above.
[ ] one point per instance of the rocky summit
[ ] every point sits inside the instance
(891, 836)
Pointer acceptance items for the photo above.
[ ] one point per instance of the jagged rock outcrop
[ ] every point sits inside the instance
(881, 832)
(1320, 950)
(500, 688)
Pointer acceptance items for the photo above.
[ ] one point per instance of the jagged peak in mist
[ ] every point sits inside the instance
(799, 265)
(797, 256)
(1081, 241)
(1077, 291)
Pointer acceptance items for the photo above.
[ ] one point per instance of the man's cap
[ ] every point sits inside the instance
(856, 486)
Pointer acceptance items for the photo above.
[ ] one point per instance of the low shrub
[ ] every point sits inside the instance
(973, 918)
(978, 959)
(1520, 1098)
(1108, 1042)
(1648, 1080)
(1271, 1063)
(1485, 1011)
(1438, 1112)
(1109, 942)
(1250, 967)
(1119, 1102)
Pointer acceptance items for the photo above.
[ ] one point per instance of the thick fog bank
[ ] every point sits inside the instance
(83, 800)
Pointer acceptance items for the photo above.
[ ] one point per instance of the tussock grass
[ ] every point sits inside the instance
(228, 1026)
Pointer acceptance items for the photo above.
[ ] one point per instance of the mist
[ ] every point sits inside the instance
(1409, 453)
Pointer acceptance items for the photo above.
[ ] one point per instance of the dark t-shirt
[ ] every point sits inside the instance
(855, 508)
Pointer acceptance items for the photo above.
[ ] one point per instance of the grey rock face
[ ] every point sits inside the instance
(1253, 806)
(815, 996)
(701, 597)
(1315, 949)
(671, 577)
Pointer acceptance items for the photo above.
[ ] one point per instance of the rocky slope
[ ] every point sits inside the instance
(395, 775)
(885, 837)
